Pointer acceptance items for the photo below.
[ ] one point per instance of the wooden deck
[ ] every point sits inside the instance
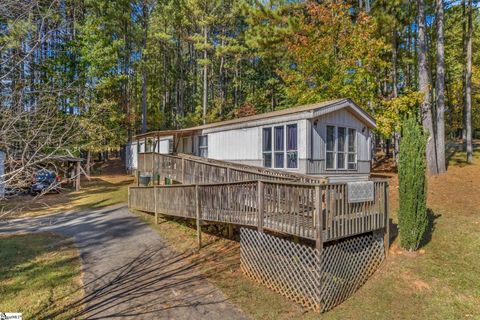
(283, 202)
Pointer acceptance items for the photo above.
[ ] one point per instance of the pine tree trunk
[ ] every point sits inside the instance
(205, 74)
(440, 89)
(144, 68)
(408, 54)
(125, 98)
(235, 86)
(144, 100)
(468, 87)
(424, 81)
(394, 63)
(396, 134)
(367, 6)
(89, 160)
(464, 75)
(221, 77)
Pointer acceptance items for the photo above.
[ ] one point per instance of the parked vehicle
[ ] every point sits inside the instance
(45, 180)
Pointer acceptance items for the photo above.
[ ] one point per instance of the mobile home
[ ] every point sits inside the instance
(331, 139)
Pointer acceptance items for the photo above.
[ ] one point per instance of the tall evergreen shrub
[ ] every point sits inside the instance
(412, 215)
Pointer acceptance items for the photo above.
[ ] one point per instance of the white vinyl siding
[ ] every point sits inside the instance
(236, 145)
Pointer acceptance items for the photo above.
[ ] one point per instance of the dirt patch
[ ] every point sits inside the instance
(454, 188)
(420, 285)
(414, 283)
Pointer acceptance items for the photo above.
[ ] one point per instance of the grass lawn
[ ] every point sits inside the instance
(39, 275)
(441, 281)
(107, 187)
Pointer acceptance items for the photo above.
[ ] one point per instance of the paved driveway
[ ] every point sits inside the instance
(129, 271)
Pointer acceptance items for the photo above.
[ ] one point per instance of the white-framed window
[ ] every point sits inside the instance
(352, 149)
(280, 146)
(341, 148)
(170, 146)
(203, 146)
(330, 147)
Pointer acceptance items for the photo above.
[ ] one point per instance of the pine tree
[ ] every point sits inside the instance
(440, 88)
(424, 86)
(412, 214)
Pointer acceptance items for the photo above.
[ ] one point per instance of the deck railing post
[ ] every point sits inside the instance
(198, 217)
(228, 174)
(386, 236)
(318, 218)
(155, 204)
(144, 154)
(260, 205)
(183, 171)
(154, 167)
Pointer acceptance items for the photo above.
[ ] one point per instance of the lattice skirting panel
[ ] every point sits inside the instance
(300, 273)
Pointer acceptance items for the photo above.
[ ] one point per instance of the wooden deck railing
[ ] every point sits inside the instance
(345, 219)
(318, 212)
(188, 169)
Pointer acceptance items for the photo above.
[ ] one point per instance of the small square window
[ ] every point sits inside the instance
(203, 146)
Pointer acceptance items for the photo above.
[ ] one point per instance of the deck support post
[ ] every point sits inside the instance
(198, 216)
(230, 231)
(155, 203)
(77, 178)
(386, 235)
(260, 205)
(318, 219)
(128, 197)
(228, 174)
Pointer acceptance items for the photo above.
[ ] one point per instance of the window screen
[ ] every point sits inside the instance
(341, 137)
(267, 147)
(292, 146)
(279, 146)
(352, 149)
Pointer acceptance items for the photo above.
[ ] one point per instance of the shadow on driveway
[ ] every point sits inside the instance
(129, 271)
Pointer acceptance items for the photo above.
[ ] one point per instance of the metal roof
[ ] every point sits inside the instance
(266, 115)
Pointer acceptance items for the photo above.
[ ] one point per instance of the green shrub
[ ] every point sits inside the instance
(412, 215)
